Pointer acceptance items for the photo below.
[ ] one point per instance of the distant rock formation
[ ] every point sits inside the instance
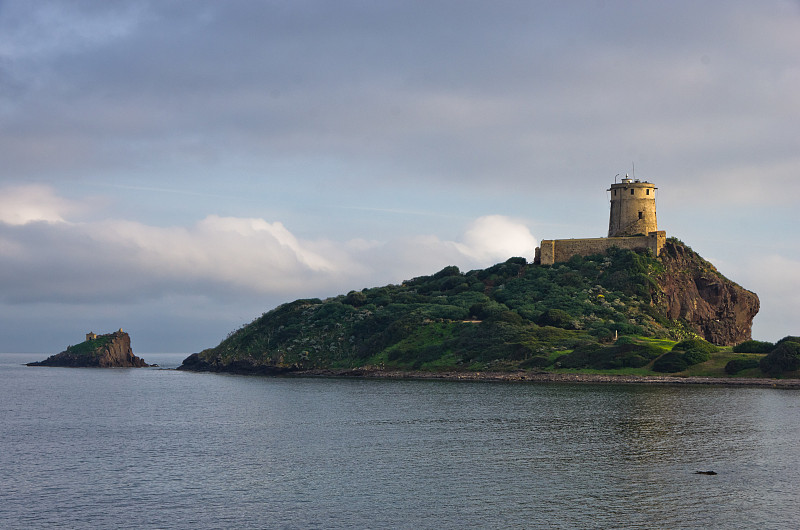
(692, 290)
(101, 351)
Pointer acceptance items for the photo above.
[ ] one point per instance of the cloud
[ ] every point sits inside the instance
(20, 205)
(494, 238)
(59, 261)
(395, 89)
(262, 123)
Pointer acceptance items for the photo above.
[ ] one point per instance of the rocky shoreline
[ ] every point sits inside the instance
(194, 363)
(550, 377)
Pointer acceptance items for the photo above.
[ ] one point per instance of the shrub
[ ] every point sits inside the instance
(737, 365)
(695, 344)
(754, 346)
(593, 355)
(694, 351)
(784, 358)
(581, 356)
(537, 361)
(452, 270)
(486, 310)
(693, 357)
(355, 298)
(518, 352)
(788, 338)
(648, 351)
(636, 361)
(556, 318)
(602, 333)
(509, 316)
(670, 363)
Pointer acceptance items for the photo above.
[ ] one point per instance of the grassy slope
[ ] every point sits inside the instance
(89, 347)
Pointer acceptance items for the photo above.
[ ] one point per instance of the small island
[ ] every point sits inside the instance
(112, 350)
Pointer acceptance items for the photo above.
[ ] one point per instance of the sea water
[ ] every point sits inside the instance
(158, 448)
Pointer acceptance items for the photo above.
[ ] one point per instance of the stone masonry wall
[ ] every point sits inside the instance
(559, 250)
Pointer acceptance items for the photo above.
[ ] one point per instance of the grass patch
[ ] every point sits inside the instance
(715, 366)
(663, 344)
(448, 361)
(553, 357)
(89, 347)
(379, 359)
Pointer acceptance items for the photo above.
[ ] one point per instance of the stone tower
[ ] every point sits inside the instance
(633, 208)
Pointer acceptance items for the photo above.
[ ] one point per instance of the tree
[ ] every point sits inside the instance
(784, 358)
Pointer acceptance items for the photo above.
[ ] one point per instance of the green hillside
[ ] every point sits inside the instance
(509, 316)
(598, 314)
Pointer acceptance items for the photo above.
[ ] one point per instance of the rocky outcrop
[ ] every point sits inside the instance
(692, 290)
(105, 351)
(195, 363)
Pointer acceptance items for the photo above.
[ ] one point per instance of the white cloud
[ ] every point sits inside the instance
(494, 238)
(225, 257)
(20, 205)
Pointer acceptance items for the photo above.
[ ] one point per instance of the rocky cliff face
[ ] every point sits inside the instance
(106, 351)
(694, 291)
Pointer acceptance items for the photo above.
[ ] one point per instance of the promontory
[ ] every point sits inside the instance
(635, 303)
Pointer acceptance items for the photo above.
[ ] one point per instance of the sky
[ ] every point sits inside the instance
(178, 168)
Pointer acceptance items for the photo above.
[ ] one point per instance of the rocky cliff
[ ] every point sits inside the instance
(694, 291)
(106, 351)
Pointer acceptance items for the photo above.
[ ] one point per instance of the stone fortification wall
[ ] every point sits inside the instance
(559, 250)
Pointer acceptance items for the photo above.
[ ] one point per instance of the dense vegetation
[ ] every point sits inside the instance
(784, 358)
(754, 346)
(685, 354)
(511, 315)
(590, 313)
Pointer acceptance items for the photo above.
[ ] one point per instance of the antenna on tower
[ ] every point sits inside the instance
(615, 178)
(633, 170)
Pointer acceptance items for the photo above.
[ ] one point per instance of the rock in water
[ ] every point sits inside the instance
(103, 351)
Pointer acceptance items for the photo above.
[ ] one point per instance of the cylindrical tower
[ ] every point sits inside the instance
(633, 208)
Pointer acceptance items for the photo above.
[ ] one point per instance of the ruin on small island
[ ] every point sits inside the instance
(632, 225)
(112, 350)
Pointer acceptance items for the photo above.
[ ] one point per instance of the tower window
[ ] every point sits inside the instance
(631, 191)
(641, 215)
(648, 192)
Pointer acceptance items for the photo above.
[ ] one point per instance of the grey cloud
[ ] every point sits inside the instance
(436, 90)
(284, 107)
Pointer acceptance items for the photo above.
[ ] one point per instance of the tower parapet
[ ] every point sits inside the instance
(633, 208)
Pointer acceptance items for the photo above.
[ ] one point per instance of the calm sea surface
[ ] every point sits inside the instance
(155, 448)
